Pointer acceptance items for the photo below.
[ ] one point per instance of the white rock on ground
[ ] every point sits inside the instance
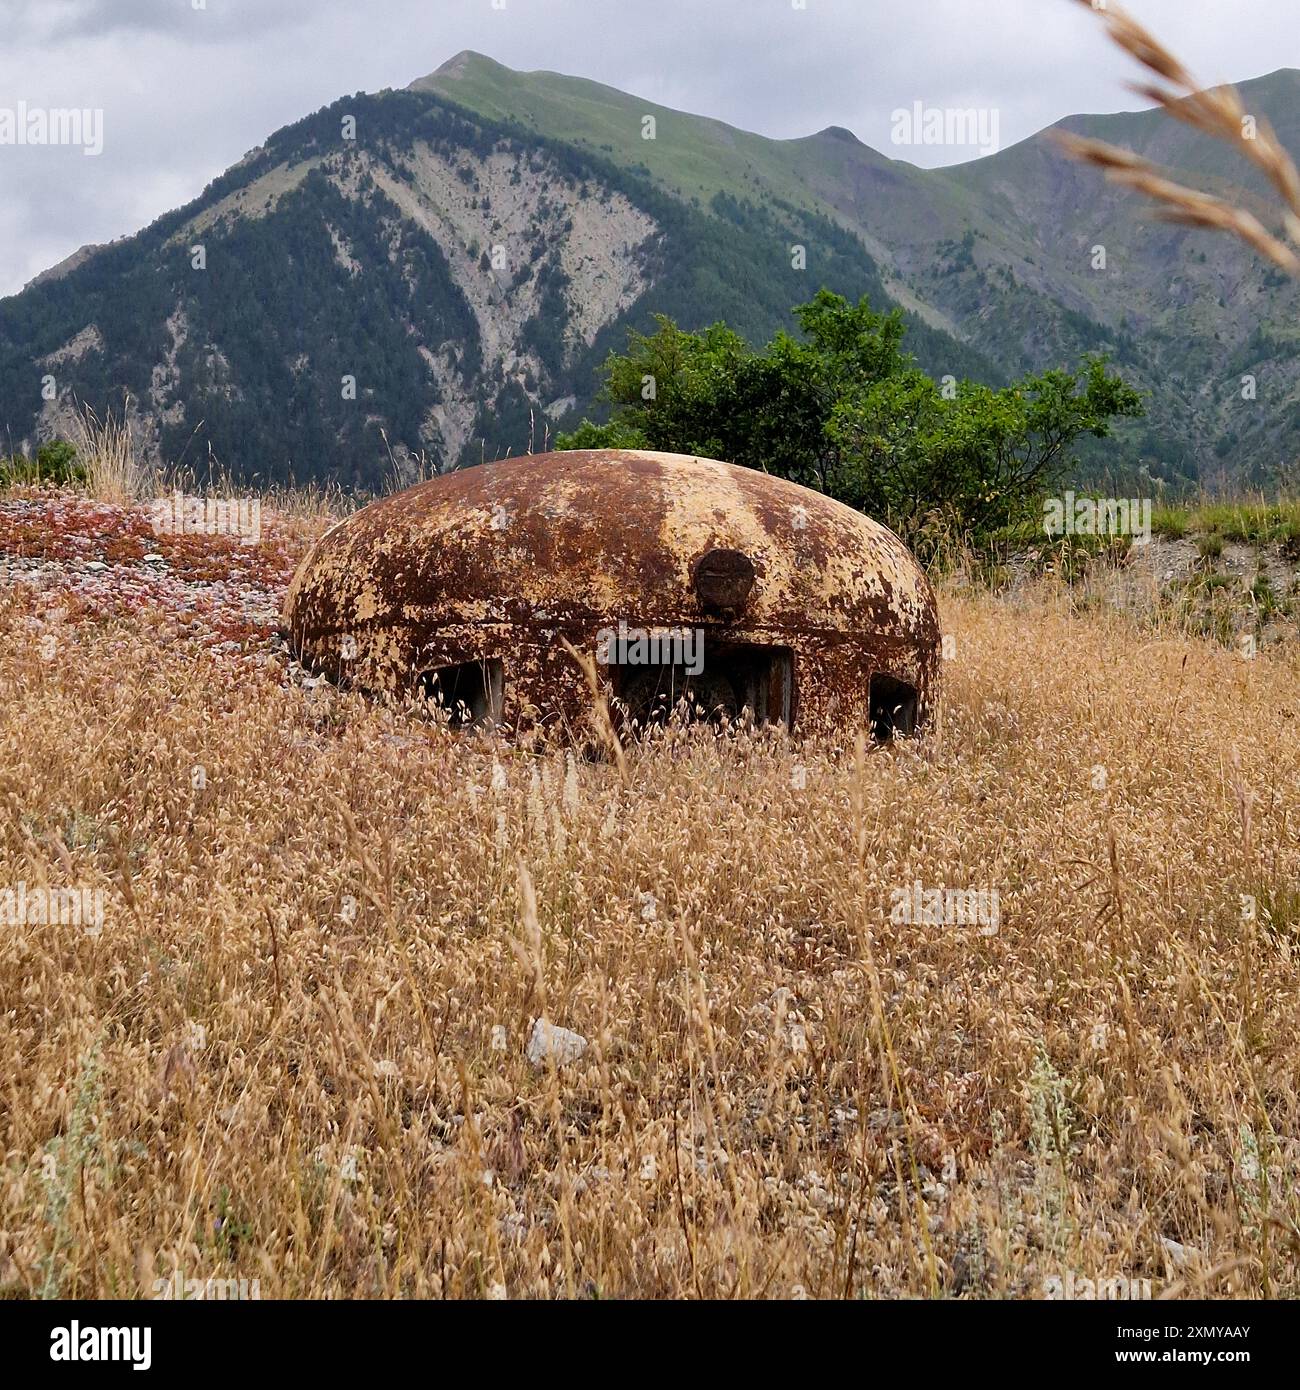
(1180, 1256)
(553, 1044)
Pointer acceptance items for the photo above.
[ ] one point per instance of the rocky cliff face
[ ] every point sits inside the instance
(495, 267)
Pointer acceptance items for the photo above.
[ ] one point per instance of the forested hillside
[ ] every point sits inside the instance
(423, 278)
(440, 284)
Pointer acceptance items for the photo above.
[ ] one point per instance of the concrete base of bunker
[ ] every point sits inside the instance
(733, 682)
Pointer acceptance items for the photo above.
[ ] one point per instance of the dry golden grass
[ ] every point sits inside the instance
(107, 450)
(1219, 113)
(296, 1051)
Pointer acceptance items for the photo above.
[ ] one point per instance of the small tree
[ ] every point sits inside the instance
(56, 462)
(844, 409)
(978, 456)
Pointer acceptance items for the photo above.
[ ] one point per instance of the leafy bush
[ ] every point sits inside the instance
(55, 463)
(615, 435)
(843, 409)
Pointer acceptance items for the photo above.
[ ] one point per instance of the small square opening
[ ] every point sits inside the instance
(892, 707)
(470, 693)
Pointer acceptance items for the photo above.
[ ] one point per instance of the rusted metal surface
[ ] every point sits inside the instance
(724, 580)
(504, 560)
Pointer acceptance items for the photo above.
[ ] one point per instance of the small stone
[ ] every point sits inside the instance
(96, 565)
(550, 1043)
(1180, 1256)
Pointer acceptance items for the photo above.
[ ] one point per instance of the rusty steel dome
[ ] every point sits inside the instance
(751, 596)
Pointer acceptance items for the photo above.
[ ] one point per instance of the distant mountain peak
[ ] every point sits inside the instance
(69, 263)
(466, 58)
(838, 132)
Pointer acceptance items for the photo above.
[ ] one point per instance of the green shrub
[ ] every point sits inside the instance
(842, 408)
(55, 463)
(1170, 523)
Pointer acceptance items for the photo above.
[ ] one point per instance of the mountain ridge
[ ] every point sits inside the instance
(527, 216)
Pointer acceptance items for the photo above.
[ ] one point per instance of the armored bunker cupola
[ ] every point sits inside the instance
(693, 584)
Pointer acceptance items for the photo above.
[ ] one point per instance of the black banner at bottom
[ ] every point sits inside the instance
(178, 1337)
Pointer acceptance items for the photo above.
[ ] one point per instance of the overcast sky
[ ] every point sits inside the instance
(187, 86)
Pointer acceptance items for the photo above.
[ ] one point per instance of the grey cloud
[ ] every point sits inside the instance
(197, 21)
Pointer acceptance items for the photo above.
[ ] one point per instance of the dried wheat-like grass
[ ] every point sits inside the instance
(107, 450)
(296, 1052)
(1217, 112)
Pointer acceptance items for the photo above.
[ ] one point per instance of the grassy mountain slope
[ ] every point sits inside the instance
(692, 156)
(447, 282)
(442, 284)
(999, 252)
(696, 157)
